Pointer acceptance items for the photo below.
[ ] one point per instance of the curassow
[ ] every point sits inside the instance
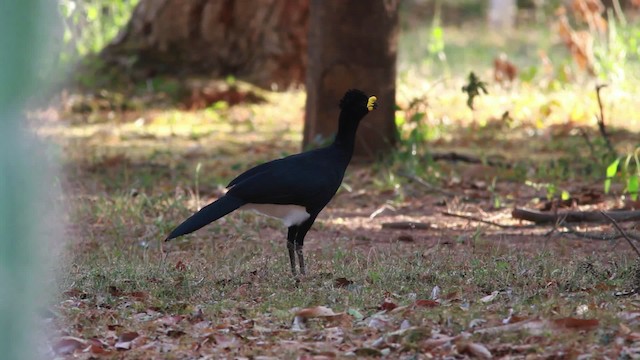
(295, 188)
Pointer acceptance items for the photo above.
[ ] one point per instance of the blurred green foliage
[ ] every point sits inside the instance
(89, 25)
(626, 169)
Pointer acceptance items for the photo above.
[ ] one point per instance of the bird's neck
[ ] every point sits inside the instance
(346, 136)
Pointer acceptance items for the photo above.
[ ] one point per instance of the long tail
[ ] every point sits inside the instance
(206, 215)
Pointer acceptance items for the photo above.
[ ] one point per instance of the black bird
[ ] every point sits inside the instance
(295, 188)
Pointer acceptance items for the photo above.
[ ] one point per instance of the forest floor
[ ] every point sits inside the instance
(448, 287)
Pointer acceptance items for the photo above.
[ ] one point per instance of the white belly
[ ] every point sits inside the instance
(289, 214)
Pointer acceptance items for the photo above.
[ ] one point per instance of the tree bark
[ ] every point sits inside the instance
(352, 44)
(261, 41)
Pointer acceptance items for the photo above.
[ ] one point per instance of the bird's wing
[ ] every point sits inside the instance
(308, 179)
(253, 171)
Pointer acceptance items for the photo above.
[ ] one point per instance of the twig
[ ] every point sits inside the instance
(406, 225)
(473, 218)
(624, 234)
(455, 157)
(539, 217)
(601, 125)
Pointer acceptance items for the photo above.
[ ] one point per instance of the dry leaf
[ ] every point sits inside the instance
(321, 312)
(315, 312)
(477, 350)
(426, 303)
(490, 298)
(387, 305)
(342, 282)
(577, 324)
(128, 336)
(68, 345)
(378, 322)
(125, 340)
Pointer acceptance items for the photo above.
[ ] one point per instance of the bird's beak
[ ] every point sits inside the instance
(372, 103)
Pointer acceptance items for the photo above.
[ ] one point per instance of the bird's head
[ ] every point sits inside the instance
(357, 103)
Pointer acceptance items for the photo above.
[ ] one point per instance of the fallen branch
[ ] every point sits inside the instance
(624, 234)
(586, 235)
(455, 157)
(473, 218)
(406, 225)
(539, 217)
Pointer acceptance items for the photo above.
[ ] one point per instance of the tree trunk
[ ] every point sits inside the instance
(261, 41)
(352, 44)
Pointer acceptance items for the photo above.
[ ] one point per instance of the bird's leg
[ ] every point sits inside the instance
(291, 239)
(301, 233)
(300, 258)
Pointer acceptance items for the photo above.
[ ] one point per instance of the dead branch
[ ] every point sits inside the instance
(601, 124)
(539, 217)
(585, 235)
(455, 157)
(406, 225)
(473, 218)
(624, 234)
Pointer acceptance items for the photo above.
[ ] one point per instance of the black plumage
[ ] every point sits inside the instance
(295, 188)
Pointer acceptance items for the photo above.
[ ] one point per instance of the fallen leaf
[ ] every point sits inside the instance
(126, 345)
(624, 329)
(128, 336)
(426, 303)
(378, 322)
(387, 305)
(490, 298)
(315, 312)
(96, 349)
(225, 342)
(342, 282)
(321, 312)
(629, 315)
(577, 324)
(68, 345)
(125, 340)
(477, 350)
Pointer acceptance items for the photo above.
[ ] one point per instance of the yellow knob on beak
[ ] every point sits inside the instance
(371, 104)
